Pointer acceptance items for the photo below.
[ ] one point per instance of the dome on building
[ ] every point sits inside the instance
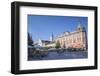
(66, 33)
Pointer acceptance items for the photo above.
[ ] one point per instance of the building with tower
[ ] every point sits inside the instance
(75, 39)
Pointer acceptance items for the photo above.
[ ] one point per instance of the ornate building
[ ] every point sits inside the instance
(76, 39)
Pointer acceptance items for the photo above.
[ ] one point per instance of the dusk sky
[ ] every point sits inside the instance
(42, 26)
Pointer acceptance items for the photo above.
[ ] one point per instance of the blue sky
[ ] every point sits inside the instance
(42, 26)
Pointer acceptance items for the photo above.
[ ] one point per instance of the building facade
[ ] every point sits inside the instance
(76, 39)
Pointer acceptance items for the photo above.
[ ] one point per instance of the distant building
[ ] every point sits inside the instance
(43, 43)
(76, 39)
(46, 43)
(51, 44)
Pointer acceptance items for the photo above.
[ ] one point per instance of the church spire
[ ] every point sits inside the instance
(52, 37)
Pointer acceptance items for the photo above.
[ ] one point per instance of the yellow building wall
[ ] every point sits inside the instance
(75, 40)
